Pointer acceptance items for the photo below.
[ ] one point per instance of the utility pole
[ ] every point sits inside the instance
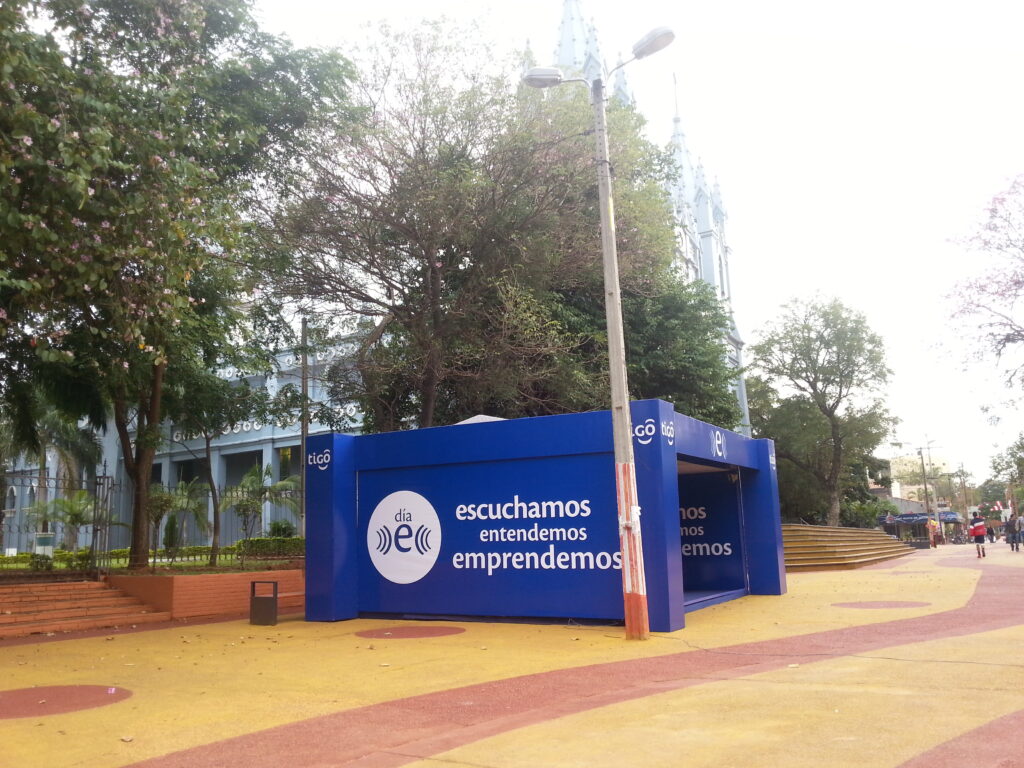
(304, 429)
(924, 479)
(963, 487)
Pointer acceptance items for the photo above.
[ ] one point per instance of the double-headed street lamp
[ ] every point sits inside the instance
(634, 588)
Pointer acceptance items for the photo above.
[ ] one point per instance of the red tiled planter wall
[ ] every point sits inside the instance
(211, 594)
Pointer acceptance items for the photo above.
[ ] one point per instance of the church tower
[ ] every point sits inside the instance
(700, 215)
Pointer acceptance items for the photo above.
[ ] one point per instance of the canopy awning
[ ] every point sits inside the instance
(914, 518)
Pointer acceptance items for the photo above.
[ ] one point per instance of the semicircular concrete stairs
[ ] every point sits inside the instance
(823, 548)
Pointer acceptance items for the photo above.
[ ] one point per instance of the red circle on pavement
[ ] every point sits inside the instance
(57, 699)
(404, 633)
(883, 604)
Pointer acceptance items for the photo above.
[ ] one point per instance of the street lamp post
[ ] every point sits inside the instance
(634, 587)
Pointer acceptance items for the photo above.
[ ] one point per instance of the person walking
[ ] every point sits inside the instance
(977, 530)
(1012, 527)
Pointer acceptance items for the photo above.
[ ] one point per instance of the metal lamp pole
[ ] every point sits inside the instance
(634, 584)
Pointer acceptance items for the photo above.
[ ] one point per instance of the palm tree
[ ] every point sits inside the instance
(73, 511)
(190, 505)
(254, 491)
(186, 502)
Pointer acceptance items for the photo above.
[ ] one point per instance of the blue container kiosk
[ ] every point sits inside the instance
(518, 518)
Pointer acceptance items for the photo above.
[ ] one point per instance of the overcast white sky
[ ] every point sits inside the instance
(853, 143)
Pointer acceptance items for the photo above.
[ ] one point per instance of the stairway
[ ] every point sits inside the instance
(822, 548)
(27, 609)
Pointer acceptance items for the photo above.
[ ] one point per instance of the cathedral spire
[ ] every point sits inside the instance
(570, 54)
(593, 64)
(620, 87)
(685, 186)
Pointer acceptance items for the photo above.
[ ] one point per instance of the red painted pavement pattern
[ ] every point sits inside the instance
(984, 747)
(883, 604)
(409, 632)
(57, 699)
(395, 733)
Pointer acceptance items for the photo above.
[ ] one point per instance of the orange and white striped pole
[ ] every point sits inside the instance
(634, 585)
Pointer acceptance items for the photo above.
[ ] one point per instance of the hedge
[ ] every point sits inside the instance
(277, 547)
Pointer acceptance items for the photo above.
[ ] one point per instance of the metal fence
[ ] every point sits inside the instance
(34, 520)
(46, 516)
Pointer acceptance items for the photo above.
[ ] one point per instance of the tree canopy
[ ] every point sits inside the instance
(128, 133)
(459, 230)
(821, 367)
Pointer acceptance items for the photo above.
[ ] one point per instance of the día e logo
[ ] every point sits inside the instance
(403, 537)
(718, 444)
(320, 460)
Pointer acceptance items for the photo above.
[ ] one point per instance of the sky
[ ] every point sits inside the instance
(856, 145)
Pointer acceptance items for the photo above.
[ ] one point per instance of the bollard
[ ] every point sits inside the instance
(262, 608)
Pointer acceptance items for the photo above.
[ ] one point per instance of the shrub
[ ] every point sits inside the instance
(276, 547)
(40, 562)
(281, 529)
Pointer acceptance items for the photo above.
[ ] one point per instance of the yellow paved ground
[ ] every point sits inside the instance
(196, 685)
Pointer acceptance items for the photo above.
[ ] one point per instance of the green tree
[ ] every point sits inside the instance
(72, 511)
(832, 365)
(158, 506)
(189, 505)
(255, 490)
(457, 226)
(675, 350)
(204, 407)
(200, 401)
(865, 514)
(991, 490)
(130, 144)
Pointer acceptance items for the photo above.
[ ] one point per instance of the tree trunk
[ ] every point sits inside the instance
(138, 555)
(834, 471)
(43, 497)
(138, 463)
(428, 391)
(432, 374)
(833, 506)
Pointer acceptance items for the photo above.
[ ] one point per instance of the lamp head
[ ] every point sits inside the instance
(653, 42)
(543, 77)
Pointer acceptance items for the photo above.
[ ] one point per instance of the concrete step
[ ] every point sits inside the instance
(45, 608)
(818, 548)
(803, 557)
(47, 588)
(840, 565)
(73, 624)
(65, 609)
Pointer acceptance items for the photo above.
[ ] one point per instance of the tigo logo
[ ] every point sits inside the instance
(645, 432)
(320, 460)
(403, 537)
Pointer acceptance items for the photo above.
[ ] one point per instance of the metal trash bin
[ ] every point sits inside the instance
(262, 608)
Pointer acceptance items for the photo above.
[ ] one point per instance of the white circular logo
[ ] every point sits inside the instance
(718, 444)
(404, 537)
